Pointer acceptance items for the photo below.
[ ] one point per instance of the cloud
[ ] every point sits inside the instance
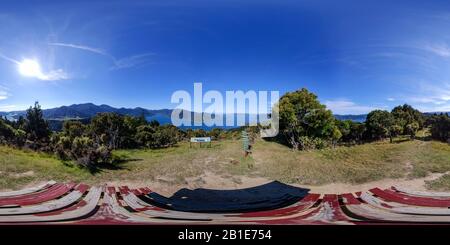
(82, 47)
(54, 75)
(390, 99)
(348, 107)
(4, 108)
(434, 94)
(4, 94)
(9, 59)
(429, 97)
(131, 61)
(439, 49)
(118, 63)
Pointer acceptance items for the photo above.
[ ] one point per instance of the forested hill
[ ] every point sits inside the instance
(88, 110)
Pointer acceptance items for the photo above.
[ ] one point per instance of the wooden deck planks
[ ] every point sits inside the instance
(307, 202)
(403, 209)
(27, 190)
(53, 192)
(389, 195)
(86, 206)
(438, 195)
(81, 204)
(51, 205)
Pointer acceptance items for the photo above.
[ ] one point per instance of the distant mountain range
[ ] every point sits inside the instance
(88, 110)
(355, 118)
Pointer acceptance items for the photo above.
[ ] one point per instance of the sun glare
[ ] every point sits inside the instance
(30, 68)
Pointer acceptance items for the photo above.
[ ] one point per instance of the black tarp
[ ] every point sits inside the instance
(264, 197)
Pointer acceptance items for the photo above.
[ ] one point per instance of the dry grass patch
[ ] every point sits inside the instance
(224, 162)
(356, 164)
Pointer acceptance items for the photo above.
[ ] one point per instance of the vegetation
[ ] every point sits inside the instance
(177, 166)
(356, 164)
(113, 146)
(91, 144)
(306, 124)
(408, 119)
(440, 127)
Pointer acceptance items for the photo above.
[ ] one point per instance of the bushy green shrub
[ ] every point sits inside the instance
(157, 137)
(312, 143)
(440, 127)
(302, 115)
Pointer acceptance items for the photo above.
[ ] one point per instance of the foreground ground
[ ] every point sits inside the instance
(416, 164)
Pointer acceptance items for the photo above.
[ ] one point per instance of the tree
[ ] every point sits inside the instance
(344, 127)
(144, 136)
(394, 130)
(107, 129)
(6, 131)
(215, 133)
(336, 135)
(408, 118)
(127, 136)
(381, 124)
(411, 129)
(352, 132)
(302, 115)
(357, 131)
(166, 136)
(440, 127)
(36, 126)
(73, 128)
(154, 123)
(162, 136)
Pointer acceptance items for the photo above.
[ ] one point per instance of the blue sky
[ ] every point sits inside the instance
(355, 55)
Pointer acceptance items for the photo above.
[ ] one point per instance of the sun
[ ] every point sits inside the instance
(30, 68)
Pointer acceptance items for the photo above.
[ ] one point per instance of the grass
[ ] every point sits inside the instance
(431, 157)
(356, 164)
(172, 165)
(440, 184)
(19, 167)
(181, 164)
(175, 164)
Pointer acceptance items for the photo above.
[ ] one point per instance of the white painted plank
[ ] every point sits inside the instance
(27, 190)
(91, 200)
(402, 208)
(379, 214)
(423, 193)
(65, 201)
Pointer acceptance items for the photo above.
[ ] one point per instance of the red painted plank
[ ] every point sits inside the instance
(105, 215)
(30, 195)
(18, 193)
(333, 201)
(47, 195)
(81, 188)
(293, 220)
(350, 199)
(392, 196)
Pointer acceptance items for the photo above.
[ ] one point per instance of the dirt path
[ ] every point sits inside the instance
(210, 180)
(413, 184)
